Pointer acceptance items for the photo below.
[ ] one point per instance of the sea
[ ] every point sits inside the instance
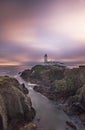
(12, 70)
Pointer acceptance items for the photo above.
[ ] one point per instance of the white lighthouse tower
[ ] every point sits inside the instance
(45, 58)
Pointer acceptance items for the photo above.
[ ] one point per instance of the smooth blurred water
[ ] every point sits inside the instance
(49, 116)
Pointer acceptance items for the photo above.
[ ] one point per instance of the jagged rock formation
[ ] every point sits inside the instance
(15, 106)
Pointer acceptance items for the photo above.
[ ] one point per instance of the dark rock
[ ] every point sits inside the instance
(19, 73)
(1, 123)
(70, 124)
(25, 74)
(38, 88)
(24, 89)
(82, 117)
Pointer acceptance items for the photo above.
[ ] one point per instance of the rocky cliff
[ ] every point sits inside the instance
(15, 105)
(61, 85)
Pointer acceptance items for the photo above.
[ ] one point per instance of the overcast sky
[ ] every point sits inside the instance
(31, 28)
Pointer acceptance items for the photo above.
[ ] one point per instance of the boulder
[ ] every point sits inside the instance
(14, 104)
(25, 74)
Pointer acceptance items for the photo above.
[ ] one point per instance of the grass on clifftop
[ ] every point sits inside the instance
(4, 78)
(60, 85)
(39, 68)
(9, 81)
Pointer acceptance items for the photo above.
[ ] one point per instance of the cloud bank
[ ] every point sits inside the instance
(31, 28)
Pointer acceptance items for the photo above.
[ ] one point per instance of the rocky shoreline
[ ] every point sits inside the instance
(66, 86)
(16, 111)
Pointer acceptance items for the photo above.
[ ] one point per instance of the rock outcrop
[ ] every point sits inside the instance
(60, 84)
(15, 105)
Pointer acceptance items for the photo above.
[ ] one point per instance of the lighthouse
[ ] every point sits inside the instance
(45, 58)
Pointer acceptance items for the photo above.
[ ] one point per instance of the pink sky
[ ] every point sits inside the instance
(31, 28)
